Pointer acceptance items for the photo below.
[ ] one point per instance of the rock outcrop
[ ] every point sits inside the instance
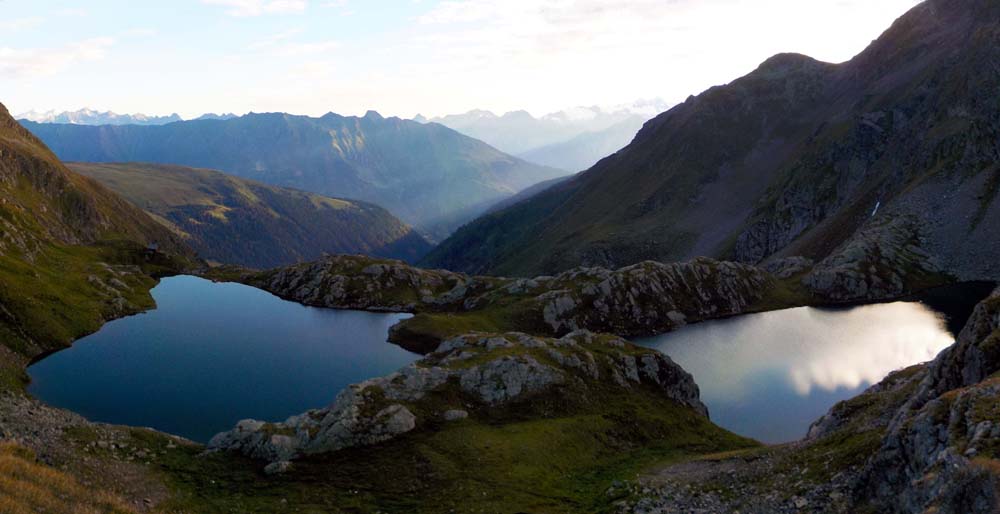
(650, 297)
(942, 447)
(640, 300)
(925, 439)
(467, 376)
(884, 260)
(358, 282)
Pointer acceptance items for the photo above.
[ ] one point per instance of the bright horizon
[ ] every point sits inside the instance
(401, 58)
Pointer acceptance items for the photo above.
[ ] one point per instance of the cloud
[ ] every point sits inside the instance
(279, 45)
(274, 39)
(39, 62)
(244, 8)
(340, 5)
(533, 32)
(313, 48)
(808, 349)
(21, 24)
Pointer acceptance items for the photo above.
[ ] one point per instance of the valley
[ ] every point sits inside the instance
(427, 175)
(228, 220)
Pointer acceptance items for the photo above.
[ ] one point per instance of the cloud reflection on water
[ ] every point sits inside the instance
(807, 348)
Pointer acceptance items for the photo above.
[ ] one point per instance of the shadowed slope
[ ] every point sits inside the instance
(792, 159)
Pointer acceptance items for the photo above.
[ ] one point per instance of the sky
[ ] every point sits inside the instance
(404, 57)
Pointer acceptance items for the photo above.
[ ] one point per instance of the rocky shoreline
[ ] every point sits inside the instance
(467, 376)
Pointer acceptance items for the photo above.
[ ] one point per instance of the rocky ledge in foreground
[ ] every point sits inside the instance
(925, 439)
(474, 376)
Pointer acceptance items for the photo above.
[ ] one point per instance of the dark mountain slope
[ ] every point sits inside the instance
(790, 160)
(651, 199)
(238, 221)
(422, 173)
(72, 253)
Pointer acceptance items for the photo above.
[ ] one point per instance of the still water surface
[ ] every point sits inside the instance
(211, 354)
(768, 376)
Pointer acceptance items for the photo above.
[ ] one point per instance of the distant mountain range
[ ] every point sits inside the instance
(890, 156)
(237, 221)
(428, 175)
(584, 150)
(573, 139)
(91, 117)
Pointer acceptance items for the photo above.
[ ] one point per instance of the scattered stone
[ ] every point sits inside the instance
(455, 415)
(278, 468)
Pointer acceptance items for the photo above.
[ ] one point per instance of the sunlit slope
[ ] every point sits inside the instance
(238, 221)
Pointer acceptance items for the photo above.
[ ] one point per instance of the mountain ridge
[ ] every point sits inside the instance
(520, 133)
(424, 174)
(791, 159)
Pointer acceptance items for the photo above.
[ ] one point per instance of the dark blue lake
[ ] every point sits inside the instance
(212, 354)
(769, 376)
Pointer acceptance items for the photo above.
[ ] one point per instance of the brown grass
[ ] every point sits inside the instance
(29, 487)
(988, 464)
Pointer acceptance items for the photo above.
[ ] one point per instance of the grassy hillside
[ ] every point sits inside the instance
(791, 159)
(424, 174)
(72, 255)
(237, 221)
(549, 462)
(27, 486)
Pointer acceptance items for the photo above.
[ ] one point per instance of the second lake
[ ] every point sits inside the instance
(769, 376)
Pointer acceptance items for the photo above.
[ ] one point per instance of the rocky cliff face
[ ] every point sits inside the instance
(472, 375)
(942, 447)
(886, 259)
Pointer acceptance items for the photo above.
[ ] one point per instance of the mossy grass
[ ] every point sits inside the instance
(504, 461)
(66, 292)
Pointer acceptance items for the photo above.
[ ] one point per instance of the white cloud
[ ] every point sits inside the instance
(243, 8)
(582, 51)
(21, 24)
(274, 39)
(808, 349)
(26, 63)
